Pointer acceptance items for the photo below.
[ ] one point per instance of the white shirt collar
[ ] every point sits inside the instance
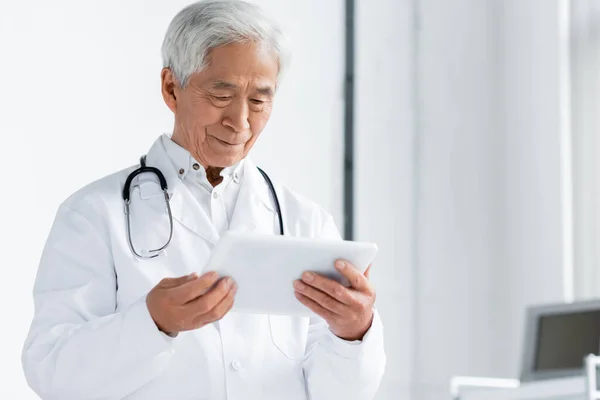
(187, 166)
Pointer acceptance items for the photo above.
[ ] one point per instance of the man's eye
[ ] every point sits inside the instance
(257, 101)
(222, 98)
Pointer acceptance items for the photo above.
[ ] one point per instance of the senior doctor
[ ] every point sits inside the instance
(111, 325)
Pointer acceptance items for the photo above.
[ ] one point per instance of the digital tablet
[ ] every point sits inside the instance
(265, 267)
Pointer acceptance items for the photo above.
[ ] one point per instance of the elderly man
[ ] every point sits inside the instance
(113, 322)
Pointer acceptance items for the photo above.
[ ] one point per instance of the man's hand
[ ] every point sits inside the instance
(190, 302)
(348, 311)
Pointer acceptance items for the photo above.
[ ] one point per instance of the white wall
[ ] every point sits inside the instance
(384, 173)
(585, 73)
(459, 231)
(460, 178)
(81, 98)
(538, 254)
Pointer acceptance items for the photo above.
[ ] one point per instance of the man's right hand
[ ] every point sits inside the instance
(190, 302)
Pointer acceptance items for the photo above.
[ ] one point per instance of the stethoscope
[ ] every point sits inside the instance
(163, 185)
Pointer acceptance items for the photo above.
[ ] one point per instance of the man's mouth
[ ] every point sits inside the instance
(227, 143)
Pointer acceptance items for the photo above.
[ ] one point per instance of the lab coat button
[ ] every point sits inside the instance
(196, 166)
(215, 195)
(236, 365)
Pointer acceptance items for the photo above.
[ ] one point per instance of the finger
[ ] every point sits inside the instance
(222, 308)
(315, 307)
(368, 272)
(357, 280)
(321, 298)
(210, 299)
(194, 288)
(329, 286)
(174, 282)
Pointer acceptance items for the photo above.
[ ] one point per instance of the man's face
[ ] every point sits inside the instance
(223, 109)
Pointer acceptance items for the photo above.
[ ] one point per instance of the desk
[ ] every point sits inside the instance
(556, 389)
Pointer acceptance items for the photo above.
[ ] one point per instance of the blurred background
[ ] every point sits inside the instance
(471, 139)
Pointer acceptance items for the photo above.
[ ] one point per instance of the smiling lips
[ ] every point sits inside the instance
(227, 143)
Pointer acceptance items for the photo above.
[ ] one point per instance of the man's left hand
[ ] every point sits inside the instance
(347, 310)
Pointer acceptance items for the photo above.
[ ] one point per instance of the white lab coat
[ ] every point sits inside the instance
(92, 336)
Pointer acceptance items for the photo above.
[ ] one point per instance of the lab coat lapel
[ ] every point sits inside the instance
(254, 210)
(184, 206)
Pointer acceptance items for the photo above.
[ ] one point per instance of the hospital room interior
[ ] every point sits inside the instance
(462, 137)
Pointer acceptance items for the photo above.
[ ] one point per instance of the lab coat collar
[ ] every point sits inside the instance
(187, 166)
(254, 208)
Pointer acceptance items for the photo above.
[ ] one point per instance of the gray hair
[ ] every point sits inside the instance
(205, 25)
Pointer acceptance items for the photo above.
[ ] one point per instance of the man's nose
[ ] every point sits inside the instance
(237, 116)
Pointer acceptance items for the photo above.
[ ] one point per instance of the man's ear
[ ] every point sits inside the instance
(169, 87)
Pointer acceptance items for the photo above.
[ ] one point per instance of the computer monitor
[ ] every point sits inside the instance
(557, 339)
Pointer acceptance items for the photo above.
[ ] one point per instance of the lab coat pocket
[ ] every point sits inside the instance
(289, 335)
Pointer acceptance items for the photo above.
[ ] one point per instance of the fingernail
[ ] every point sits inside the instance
(228, 283)
(298, 285)
(340, 264)
(308, 276)
(192, 276)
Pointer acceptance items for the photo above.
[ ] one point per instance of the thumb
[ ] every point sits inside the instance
(168, 283)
